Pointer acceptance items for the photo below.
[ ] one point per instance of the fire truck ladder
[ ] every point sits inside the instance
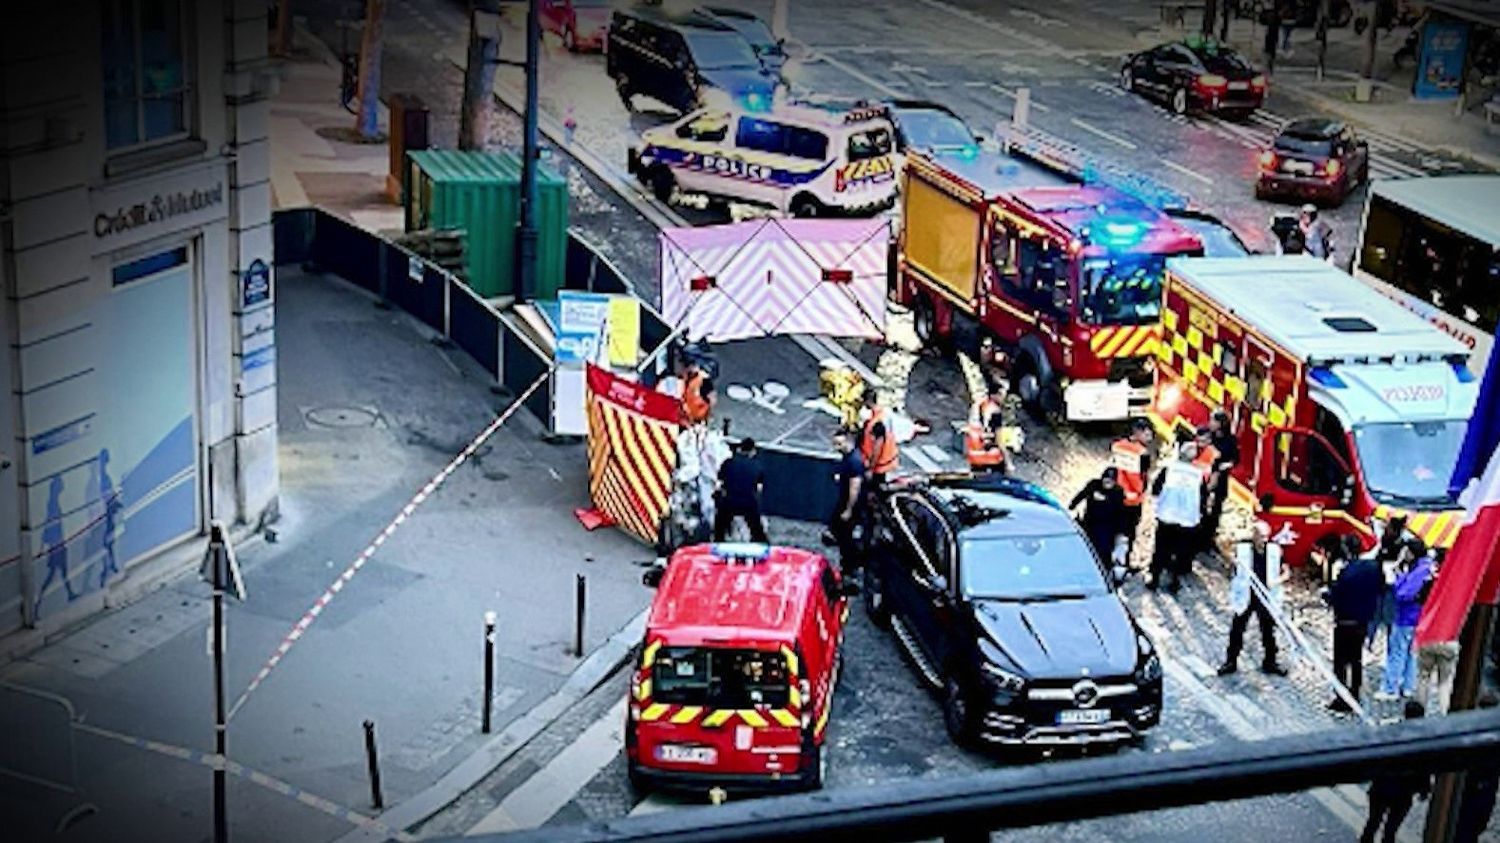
(1058, 155)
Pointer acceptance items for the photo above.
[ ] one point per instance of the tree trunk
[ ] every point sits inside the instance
(367, 117)
(1367, 67)
(1210, 14)
(1324, 11)
(281, 41)
(479, 74)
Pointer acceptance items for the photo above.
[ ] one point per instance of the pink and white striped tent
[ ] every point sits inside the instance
(776, 276)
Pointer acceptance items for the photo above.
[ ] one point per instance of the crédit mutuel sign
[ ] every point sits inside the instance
(143, 209)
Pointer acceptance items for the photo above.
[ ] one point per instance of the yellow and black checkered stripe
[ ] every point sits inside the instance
(1125, 341)
(1435, 529)
(1198, 360)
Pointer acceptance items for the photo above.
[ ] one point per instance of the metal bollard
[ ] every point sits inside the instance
(372, 761)
(489, 671)
(579, 606)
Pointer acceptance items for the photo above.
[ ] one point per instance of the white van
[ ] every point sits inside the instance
(802, 160)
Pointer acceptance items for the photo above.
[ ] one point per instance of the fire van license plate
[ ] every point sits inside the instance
(1082, 716)
(687, 754)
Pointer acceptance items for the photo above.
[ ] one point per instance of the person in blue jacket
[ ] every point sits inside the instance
(1413, 572)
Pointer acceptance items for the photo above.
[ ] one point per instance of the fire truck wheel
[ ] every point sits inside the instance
(877, 604)
(662, 184)
(1179, 101)
(958, 714)
(924, 321)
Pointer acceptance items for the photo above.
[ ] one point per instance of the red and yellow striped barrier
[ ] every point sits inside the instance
(632, 451)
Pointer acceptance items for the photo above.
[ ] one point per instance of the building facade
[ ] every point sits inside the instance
(137, 321)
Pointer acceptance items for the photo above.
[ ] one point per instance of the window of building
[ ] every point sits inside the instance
(147, 79)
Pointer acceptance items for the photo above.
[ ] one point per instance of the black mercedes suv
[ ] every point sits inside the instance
(1003, 607)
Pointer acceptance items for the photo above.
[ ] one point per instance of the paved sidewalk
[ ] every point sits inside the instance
(370, 410)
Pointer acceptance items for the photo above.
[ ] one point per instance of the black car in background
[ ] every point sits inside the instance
(1219, 240)
(1195, 75)
(1003, 607)
(770, 49)
(684, 61)
(932, 129)
(1314, 159)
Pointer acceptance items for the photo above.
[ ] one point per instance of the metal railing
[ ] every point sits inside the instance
(963, 807)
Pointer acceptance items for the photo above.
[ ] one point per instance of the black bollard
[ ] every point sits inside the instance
(580, 596)
(373, 762)
(489, 671)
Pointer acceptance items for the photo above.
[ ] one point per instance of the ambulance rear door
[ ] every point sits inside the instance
(1304, 487)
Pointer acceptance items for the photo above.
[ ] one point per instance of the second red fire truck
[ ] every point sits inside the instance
(1066, 276)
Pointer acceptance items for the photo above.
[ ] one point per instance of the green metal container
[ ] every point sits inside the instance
(480, 193)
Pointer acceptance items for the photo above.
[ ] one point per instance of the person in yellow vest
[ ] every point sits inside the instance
(1131, 457)
(877, 443)
(983, 447)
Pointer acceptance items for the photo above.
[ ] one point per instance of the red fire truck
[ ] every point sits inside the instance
(1349, 409)
(1066, 276)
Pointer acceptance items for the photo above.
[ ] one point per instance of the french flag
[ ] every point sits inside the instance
(1471, 572)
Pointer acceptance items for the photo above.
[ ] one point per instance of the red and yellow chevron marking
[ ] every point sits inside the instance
(632, 445)
(1125, 341)
(1435, 529)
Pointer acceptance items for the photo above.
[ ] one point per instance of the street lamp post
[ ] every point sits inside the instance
(222, 571)
(526, 234)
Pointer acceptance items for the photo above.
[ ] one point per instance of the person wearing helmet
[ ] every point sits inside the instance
(1317, 234)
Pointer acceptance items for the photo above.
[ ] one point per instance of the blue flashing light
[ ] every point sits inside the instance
(1462, 372)
(741, 550)
(755, 101)
(1119, 233)
(969, 153)
(1325, 376)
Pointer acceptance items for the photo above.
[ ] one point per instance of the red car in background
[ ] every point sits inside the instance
(580, 24)
(1314, 159)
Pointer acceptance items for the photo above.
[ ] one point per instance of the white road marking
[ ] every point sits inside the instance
(1189, 172)
(1089, 127)
(542, 795)
(1004, 91)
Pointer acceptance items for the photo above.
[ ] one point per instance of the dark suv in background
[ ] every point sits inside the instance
(1001, 604)
(680, 59)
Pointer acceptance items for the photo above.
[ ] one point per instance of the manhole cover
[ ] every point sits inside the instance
(341, 417)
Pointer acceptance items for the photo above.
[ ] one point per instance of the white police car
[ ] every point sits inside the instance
(806, 160)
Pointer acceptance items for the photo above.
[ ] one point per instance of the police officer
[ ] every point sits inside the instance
(849, 476)
(1131, 457)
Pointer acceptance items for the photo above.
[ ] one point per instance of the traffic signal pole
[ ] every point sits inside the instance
(526, 234)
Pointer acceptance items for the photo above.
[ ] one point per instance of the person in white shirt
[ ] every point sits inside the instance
(1178, 491)
(1255, 561)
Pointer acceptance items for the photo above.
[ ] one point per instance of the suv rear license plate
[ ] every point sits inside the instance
(1238, 86)
(687, 754)
(1082, 716)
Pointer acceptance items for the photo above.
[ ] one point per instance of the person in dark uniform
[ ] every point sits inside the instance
(849, 475)
(1227, 448)
(1103, 519)
(741, 479)
(1354, 597)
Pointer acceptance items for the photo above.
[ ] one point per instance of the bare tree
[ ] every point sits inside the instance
(1210, 14)
(367, 116)
(281, 38)
(479, 73)
(1367, 67)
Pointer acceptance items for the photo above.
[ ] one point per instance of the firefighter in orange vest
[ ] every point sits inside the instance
(1131, 457)
(877, 442)
(983, 447)
(697, 395)
(990, 406)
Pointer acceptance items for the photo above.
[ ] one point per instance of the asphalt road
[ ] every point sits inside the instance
(886, 727)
